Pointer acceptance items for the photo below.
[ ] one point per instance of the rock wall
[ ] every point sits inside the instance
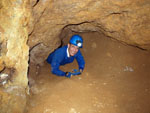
(14, 50)
(14, 54)
(51, 21)
(45, 23)
(124, 20)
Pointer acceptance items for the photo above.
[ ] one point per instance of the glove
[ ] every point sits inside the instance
(68, 74)
(76, 72)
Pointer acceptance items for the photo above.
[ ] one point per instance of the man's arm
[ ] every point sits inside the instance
(55, 69)
(55, 64)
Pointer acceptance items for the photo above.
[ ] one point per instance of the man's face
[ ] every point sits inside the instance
(72, 49)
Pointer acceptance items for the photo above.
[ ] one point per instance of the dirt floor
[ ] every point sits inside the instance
(116, 79)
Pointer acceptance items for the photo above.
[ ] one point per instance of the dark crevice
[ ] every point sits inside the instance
(66, 30)
(36, 3)
(76, 24)
(0, 48)
(30, 33)
(7, 71)
(67, 26)
(117, 13)
(114, 13)
(139, 47)
(35, 46)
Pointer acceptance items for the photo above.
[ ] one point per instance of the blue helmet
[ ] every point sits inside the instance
(76, 40)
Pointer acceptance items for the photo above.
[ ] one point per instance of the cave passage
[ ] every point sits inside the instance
(115, 80)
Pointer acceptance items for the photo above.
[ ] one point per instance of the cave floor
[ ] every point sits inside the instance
(116, 79)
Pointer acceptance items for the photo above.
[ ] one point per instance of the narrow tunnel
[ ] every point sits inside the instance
(115, 79)
(116, 49)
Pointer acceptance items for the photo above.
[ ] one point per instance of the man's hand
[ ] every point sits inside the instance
(68, 74)
(76, 72)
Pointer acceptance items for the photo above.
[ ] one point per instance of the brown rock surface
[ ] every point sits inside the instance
(53, 20)
(14, 35)
(125, 20)
(14, 15)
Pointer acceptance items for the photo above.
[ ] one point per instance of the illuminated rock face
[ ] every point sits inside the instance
(125, 20)
(13, 38)
(14, 55)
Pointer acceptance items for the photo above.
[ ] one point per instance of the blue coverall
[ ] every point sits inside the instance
(59, 57)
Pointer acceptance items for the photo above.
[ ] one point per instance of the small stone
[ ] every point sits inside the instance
(3, 76)
(4, 82)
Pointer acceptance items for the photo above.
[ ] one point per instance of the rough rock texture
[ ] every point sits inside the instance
(51, 21)
(14, 35)
(12, 99)
(125, 20)
(13, 52)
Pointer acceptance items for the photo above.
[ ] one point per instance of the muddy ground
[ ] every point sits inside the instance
(116, 79)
